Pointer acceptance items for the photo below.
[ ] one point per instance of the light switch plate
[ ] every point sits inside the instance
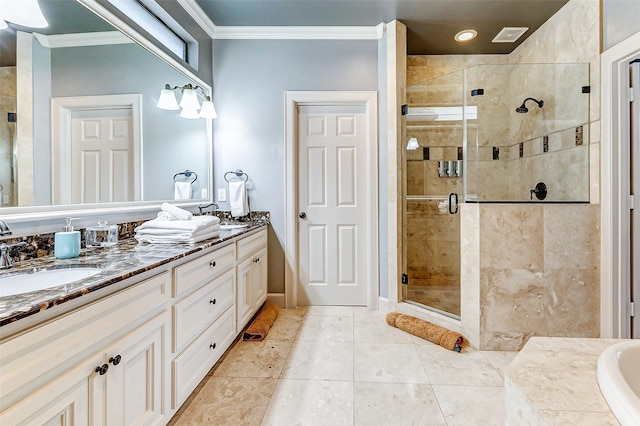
(222, 194)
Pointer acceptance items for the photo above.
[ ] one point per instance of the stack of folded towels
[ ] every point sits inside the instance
(175, 225)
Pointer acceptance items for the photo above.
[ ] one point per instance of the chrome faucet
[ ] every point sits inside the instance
(5, 258)
(201, 208)
(4, 229)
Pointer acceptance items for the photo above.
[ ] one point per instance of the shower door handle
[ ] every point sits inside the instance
(453, 199)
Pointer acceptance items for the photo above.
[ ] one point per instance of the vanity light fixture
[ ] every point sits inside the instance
(24, 12)
(189, 102)
(465, 35)
(412, 145)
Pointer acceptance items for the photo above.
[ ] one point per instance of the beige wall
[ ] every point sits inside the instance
(532, 269)
(7, 132)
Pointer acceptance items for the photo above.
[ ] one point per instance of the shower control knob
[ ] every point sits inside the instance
(302, 215)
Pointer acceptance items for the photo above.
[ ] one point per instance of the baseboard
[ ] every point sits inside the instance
(383, 305)
(276, 299)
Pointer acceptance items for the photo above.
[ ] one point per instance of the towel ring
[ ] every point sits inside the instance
(239, 173)
(186, 173)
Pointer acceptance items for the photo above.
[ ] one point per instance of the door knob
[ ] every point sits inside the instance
(302, 215)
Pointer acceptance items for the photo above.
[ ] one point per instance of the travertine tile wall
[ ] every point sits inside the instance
(533, 269)
(7, 132)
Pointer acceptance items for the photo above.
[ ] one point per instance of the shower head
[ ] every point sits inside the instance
(522, 109)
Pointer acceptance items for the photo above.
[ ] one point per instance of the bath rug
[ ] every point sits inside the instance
(434, 333)
(260, 327)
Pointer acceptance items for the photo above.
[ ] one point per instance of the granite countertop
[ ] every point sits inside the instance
(552, 381)
(126, 259)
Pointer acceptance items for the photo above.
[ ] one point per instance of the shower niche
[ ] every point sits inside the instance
(504, 129)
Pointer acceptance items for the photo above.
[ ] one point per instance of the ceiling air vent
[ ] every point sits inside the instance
(509, 34)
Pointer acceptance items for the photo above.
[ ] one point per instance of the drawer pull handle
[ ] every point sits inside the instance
(212, 346)
(102, 369)
(213, 302)
(212, 263)
(256, 260)
(115, 360)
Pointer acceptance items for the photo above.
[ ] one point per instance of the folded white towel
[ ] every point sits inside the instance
(181, 232)
(175, 239)
(238, 198)
(166, 216)
(196, 224)
(179, 213)
(182, 191)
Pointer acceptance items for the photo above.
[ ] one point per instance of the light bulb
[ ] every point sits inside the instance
(167, 100)
(413, 144)
(208, 110)
(189, 99)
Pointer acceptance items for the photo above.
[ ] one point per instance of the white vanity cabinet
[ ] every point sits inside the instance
(133, 356)
(203, 317)
(51, 374)
(252, 276)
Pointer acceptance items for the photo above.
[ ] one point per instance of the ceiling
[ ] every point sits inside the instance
(431, 24)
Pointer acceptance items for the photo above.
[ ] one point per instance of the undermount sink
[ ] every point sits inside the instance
(229, 226)
(19, 283)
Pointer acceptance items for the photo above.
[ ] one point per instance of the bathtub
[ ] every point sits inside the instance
(618, 375)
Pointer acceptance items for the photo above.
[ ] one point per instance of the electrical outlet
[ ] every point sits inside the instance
(222, 194)
(5, 199)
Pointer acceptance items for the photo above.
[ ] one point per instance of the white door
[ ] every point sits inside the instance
(102, 155)
(332, 165)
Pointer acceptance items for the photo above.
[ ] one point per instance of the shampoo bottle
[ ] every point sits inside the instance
(67, 242)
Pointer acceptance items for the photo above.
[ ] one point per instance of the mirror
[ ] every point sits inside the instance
(80, 124)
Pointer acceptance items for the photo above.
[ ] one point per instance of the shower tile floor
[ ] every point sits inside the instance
(346, 366)
(443, 298)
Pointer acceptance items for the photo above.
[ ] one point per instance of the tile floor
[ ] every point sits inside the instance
(346, 366)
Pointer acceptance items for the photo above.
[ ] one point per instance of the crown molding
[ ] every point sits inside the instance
(202, 19)
(297, 33)
(99, 38)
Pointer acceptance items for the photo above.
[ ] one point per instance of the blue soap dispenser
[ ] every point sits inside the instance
(67, 243)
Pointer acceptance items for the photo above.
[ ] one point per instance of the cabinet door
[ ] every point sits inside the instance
(63, 401)
(132, 390)
(244, 301)
(259, 279)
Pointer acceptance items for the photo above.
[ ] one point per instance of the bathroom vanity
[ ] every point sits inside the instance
(131, 343)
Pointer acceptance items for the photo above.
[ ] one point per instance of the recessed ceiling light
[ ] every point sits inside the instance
(509, 34)
(465, 35)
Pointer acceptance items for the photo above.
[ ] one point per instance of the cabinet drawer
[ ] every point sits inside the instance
(194, 363)
(195, 312)
(250, 244)
(208, 266)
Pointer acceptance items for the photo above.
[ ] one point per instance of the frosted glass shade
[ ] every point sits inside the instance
(24, 12)
(167, 100)
(208, 110)
(413, 144)
(190, 113)
(189, 99)
(3, 24)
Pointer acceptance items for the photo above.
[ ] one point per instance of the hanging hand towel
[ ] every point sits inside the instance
(182, 191)
(238, 198)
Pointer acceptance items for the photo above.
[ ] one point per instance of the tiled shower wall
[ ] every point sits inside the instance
(533, 269)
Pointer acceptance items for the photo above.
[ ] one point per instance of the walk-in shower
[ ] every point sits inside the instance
(466, 122)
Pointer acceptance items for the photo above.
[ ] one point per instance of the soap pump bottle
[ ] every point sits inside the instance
(67, 242)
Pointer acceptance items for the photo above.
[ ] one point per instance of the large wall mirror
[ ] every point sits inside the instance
(79, 125)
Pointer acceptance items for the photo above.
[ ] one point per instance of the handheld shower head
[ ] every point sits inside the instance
(522, 109)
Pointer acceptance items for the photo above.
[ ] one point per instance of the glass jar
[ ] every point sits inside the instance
(101, 235)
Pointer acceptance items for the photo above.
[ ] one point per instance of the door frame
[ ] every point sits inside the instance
(293, 99)
(614, 283)
(62, 109)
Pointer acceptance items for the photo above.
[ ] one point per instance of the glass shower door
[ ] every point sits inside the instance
(433, 185)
